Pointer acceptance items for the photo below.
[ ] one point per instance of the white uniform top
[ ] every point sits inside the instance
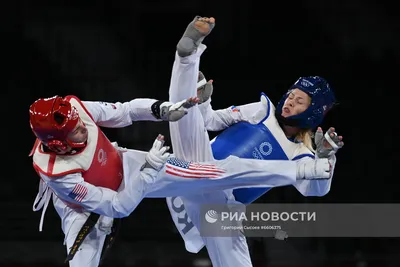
(72, 187)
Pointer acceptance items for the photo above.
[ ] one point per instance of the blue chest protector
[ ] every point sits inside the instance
(246, 140)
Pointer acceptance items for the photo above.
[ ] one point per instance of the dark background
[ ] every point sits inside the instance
(119, 50)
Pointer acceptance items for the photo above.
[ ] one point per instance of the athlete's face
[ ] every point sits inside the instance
(297, 102)
(79, 134)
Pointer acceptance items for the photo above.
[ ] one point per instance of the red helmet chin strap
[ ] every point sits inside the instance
(64, 147)
(58, 146)
(76, 145)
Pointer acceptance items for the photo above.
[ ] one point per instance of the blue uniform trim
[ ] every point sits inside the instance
(303, 156)
(269, 107)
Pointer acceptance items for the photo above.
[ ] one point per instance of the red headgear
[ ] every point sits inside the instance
(51, 120)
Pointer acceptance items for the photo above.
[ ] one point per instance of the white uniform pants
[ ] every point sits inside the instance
(186, 178)
(190, 141)
(89, 252)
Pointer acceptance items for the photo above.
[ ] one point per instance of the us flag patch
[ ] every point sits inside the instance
(186, 169)
(235, 109)
(78, 193)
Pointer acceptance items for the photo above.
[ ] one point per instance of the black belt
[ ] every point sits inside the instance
(86, 229)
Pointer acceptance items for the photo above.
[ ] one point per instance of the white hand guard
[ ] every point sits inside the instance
(313, 169)
(168, 111)
(326, 145)
(158, 155)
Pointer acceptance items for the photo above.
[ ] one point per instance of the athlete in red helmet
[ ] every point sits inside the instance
(57, 124)
(85, 170)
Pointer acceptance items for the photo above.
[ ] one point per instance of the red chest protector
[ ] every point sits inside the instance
(99, 162)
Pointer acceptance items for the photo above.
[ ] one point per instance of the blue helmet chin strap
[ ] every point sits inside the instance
(322, 100)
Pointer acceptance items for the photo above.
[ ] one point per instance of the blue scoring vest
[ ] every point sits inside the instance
(255, 141)
(246, 140)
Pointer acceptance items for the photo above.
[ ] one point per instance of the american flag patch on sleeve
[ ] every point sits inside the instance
(78, 193)
(186, 169)
(235, 109)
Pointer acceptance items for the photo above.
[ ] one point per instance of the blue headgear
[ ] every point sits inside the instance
(322, 100)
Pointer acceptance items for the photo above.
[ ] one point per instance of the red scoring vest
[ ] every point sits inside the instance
(99, 162)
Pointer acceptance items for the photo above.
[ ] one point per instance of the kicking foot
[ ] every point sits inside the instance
(195, 33)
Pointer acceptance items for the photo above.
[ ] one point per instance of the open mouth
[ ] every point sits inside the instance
(286, 110)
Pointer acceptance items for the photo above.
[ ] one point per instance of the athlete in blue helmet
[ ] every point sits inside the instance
(255, 130)
(300, 111)
(313, 90)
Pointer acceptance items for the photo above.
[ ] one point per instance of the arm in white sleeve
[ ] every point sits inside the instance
(116, 115)
(217, 120)
(72, 188)
(317, 188)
